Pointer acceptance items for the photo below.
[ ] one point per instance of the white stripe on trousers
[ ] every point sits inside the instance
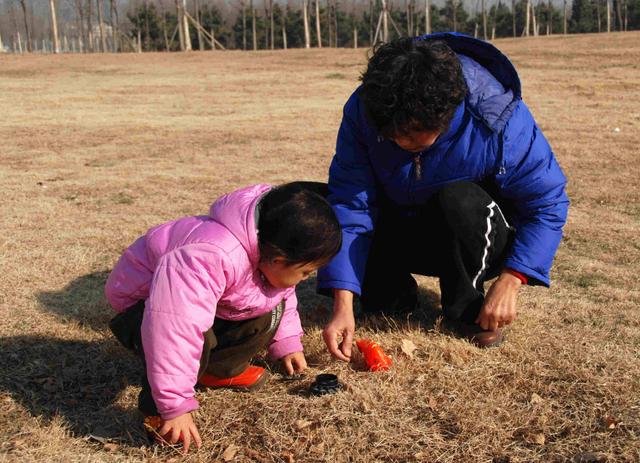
(485, 254)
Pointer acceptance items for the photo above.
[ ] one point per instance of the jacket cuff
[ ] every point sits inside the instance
(286, 346)
(533, 277)
(188, 405)
(325, 286)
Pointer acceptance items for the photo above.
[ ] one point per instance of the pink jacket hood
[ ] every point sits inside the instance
(189, 272)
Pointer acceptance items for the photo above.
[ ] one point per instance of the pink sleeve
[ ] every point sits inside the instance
(287, 338)
(182, 302)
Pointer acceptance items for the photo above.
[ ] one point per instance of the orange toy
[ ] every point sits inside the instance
(374, 356)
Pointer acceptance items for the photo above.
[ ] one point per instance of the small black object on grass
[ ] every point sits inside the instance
(325, 384)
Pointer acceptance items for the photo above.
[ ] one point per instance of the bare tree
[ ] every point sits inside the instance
(54, 27)
(253, 27)
(103, 37)
(513, 16)
(427, 16)
(244, 25)
(113, 13)
(550, 18)
(564, 18)
(484, 20)
(284, 30)
(272, 24)
(198, 30)
(305, 19)
(90, 44)
(26, 25)
(318, 31)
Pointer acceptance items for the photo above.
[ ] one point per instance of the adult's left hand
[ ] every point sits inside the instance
(499, 308)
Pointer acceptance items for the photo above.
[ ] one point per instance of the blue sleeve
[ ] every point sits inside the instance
(353, 197)
(532, 180)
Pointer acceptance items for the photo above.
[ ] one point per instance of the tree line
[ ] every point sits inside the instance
(173, 25)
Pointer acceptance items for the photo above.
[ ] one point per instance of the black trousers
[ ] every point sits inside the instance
(228, 347)
(459, 235)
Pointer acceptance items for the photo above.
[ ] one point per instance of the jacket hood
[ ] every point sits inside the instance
(236, 212)
(494, 85)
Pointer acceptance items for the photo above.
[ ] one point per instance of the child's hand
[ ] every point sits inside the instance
(294, 363)
(181, 428)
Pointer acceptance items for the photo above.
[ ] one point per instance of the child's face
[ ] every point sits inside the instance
(280, 274)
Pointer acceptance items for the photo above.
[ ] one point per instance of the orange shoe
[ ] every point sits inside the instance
(251, 378)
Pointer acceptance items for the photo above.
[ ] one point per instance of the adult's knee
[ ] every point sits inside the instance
(461, 202)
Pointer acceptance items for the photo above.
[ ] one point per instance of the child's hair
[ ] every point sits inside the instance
(297, 223)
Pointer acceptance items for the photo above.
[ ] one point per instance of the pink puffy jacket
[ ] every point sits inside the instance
(188, 272)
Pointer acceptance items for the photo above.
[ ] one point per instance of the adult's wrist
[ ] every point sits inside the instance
(513, 280)
(342, 300)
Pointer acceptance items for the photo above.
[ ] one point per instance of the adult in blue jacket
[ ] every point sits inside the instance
(440, 169)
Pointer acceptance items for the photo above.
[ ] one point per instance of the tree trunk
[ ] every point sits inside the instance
(90, 26)
(484, 20)
(244, 26)
(619, 12)
(26, 26)
(385, 22)
(165, 34)
(455, 15)
(564, 18)
(335, 23)
(80, 25)
(371, 30)
(54, 26)
(527, 22)
(318, 30)
(114, 25)
(198, 30)
(534, 19)
(355, 37)
(139, 41)
(253, 27)
(305, 20)
(284, 30)
(550, 18)
(103, 37)
(599, 16)
(273, 28)
(427, 17)
(185, 21)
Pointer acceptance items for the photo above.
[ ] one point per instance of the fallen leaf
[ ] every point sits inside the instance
(110, 447)
(536, 399)
(301, 424)
(230, 453)
(408, 347)
(537, 438)
(610, 422)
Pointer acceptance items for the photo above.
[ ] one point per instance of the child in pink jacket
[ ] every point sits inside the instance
(199, 296)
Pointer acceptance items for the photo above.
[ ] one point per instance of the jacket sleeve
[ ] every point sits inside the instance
(182, 302)
(352, 193)
(287, 338)
(532, 180)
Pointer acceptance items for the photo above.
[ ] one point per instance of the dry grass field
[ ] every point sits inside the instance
(96, 149)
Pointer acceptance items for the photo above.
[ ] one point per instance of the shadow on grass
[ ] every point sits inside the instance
(78, 381)
(82, 300)
(315, 311)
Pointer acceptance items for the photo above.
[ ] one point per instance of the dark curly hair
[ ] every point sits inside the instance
(412, 85)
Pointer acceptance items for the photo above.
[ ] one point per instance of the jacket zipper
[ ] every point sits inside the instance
(417, 167)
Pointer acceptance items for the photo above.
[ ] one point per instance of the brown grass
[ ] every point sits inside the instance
(96, 149)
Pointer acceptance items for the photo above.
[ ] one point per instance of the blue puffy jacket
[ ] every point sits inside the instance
(492, 138)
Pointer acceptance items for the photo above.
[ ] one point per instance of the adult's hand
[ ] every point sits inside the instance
(338, 334)
(499, 308)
